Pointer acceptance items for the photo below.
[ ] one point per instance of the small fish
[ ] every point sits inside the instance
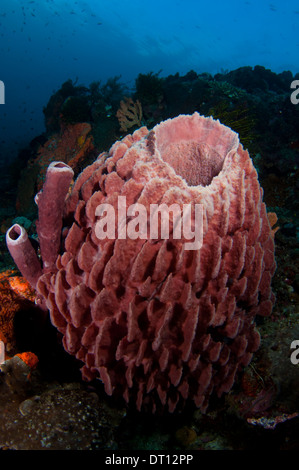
(294, 145)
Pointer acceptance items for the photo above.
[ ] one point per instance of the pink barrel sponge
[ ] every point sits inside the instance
(157, 323)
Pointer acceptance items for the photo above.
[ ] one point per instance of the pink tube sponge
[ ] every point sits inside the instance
(50, 203)
(157, 323)
(23, 254)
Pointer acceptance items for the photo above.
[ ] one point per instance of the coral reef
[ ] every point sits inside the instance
(149, 88)
(74, 110)
(158, 323)
(258, 108)
(53, 111)
(261, 410)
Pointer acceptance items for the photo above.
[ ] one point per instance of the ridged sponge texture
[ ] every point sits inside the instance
(157, 323)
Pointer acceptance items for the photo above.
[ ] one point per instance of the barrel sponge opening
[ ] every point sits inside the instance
(195, 147)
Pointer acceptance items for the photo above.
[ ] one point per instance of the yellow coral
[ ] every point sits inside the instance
(129, 114)
(186, 436)
(81, 140)
(240, 119)
(272, 217)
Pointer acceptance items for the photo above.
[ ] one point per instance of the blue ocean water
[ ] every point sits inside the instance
(45, 42)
